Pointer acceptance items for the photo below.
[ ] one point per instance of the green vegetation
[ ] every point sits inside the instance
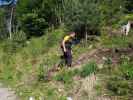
(66, 76)
(88, 69)
(38, 29)
(34, 17)
(24, 66)
(116, 41)
(118, 81)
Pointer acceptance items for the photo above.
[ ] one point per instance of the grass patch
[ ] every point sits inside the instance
(116, 41)
(66, 76)
(23, 67)
(119, 80)
(88, 69)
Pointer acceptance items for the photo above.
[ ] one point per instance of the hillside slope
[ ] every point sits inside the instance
(24, 68)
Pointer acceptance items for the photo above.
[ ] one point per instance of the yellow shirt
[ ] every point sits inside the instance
(66, 38)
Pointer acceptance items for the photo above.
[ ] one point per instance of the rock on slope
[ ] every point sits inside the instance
(7, 94)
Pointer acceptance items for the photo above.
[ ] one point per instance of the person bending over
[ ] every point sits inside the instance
(66, 47)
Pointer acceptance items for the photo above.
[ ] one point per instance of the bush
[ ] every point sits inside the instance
(119, 81)
(65, 77)
(10, 47)
(88, 69)
(116, 41)
(42, 72)
(118, 87)
(127, 70)
(128, 17)
(33, 25)
(19, 36)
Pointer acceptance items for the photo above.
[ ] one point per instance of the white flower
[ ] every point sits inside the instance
(31, 98)
(69, 98)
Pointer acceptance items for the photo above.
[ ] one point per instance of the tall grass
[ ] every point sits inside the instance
(21, 64)
(88, 69)
(116, 41)
(118, 82)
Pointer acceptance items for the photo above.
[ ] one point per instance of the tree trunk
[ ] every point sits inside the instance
(86, 34)
(9, 22)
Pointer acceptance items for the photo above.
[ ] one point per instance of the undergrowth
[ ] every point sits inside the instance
(119, 80)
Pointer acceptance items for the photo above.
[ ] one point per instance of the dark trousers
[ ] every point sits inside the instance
(68, 57)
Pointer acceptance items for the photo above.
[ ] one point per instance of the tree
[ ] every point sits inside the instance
(129, 6)
(82, 16)
(9, 7)
(2, 25)
(111, 11)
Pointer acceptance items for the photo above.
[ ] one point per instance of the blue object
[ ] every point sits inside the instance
(75, 41)
(8, 2)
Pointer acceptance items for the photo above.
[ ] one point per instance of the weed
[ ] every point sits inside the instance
(127, 70)
(88, 69)
(65, 76)
(118, 87)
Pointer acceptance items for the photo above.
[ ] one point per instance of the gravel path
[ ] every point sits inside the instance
(7, 94)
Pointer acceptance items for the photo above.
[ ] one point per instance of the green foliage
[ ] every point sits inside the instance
(54, 38)
(25, 66)
(115, 41)
(124, 19)
(65, 76)
(128, 17)
(33, 25)
(23, 62)
(108, 61)
(79, 14)
(11, 47)
(3, 32)
(119, 79)
(19, 36)
(119, 87)
(127, 69)
(36, 16)
(88, 69)
(111, 11)
(128, 6)
(42, 72)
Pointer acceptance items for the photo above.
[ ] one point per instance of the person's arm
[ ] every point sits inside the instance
(63, 44)
(64, 41)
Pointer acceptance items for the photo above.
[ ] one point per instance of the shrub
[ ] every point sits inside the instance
(88, 69)
(10, 47)
(119, 82)
(19, 36)
(42, 72)
(33, 24)
(65, 76)
(127, 70)
(108, 61)
(118, 87)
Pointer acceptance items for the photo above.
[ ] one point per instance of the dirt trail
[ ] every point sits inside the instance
(101, 54)
(7, 94)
